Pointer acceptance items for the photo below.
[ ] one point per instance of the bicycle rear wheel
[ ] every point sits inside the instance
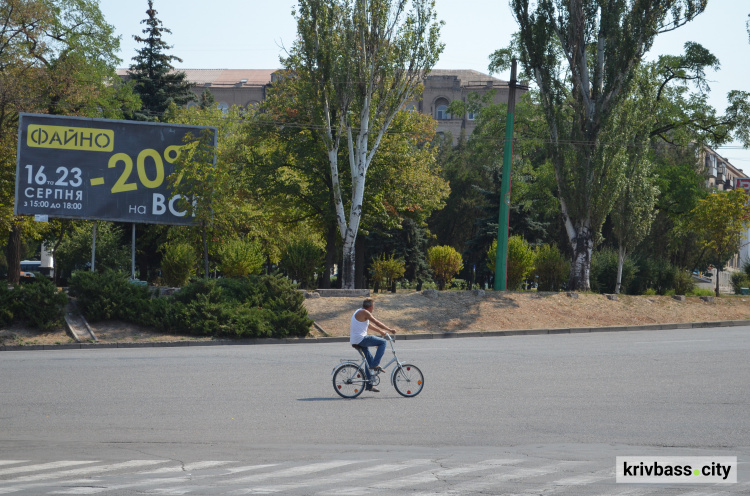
(408, 380)
(349, 381)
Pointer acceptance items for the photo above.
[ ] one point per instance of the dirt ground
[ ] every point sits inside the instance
(412, 312)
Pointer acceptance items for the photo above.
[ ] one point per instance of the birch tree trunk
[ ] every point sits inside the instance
(620, 263)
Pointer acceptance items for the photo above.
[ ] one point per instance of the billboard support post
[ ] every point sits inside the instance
(132, 256)
(93, 247)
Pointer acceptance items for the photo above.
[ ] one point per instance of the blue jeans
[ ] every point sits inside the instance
(368, 342)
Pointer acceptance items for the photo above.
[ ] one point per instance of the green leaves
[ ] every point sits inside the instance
(445, 263)
(719, 221)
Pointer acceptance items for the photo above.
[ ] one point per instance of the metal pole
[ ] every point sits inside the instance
(501, 260)
(132, 256)
(93, 248)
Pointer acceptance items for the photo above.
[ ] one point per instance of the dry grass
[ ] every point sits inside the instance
(412, 312)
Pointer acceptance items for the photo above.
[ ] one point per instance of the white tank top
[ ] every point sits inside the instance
(358, 330)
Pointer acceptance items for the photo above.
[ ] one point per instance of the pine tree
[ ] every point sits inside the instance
(156, 81)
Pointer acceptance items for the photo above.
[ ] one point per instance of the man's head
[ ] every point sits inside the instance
(368, 304)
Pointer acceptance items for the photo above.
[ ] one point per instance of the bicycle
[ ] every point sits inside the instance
(349, 378)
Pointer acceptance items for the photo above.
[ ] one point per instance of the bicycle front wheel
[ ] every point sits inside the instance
(408, 380)
(349, 381)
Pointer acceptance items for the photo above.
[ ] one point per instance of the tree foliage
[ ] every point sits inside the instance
(56, 57)
(445, 263)
(154, 77)
(358, 62)
(720, 220)
(582, 57)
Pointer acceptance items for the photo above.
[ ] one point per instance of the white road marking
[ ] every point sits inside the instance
(291, 472)
(43, 466)
(422, 478)
(489, 482)
(72, 473)
(335, 479)
(187, 468)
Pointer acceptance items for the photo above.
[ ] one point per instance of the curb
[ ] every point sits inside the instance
(405, 337)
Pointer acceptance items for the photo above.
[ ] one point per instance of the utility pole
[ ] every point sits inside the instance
(501, 261)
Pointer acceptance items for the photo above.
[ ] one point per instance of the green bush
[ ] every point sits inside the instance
(41, 304)
(256, 306)
(740, 280)
(701, 292)
(240, 258)
(661, 276)
(109, 296)
(520, 260)
(445, 263)
(683, 282)
(603, 275)
(178, 264)
(301, 260)
(74, 253)
(551, 268)
(8, 303)
(385, 271)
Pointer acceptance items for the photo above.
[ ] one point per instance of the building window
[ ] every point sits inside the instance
(223, 107)
(471, 116)
(442, 113)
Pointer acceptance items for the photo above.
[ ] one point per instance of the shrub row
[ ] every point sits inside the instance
(254, 306)
(38, 304)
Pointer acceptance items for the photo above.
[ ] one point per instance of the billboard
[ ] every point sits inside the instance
(99, 169)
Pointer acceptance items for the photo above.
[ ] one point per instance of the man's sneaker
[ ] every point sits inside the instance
(374, 390)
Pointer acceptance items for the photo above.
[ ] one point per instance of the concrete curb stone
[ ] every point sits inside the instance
(406, 337)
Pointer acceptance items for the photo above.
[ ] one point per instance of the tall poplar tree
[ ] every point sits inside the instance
(360, 61)
(582, 55)
(156, 81)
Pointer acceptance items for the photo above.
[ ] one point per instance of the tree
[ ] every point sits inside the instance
(633, 210)
(284, 162)
(520, 260)
(56, 57)
(445, 263)
(582, 56)
(359, 61)
(720, 220)
(154, 77)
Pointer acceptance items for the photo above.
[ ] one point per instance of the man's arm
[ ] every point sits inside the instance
(376, 324)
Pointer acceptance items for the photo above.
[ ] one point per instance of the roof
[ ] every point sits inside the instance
(223, 77)
(259, 77)
(468, 77)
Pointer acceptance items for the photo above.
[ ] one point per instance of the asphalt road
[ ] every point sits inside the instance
(553, 408)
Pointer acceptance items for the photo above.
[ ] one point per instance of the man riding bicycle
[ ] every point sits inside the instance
(361, 320)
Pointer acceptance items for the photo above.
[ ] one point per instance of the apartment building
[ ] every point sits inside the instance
(246, 87)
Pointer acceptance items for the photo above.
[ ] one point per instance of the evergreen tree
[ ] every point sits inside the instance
(156, 81)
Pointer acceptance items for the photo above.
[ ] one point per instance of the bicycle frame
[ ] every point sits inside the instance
(364, 363)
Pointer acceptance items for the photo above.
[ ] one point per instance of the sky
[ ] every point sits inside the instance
(252, 34)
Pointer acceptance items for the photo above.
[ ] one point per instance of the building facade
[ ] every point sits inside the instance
(246, 87)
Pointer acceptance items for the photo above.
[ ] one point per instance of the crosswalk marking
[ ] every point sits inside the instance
(422, 478)
(491, 481)
(419, 477)
(292, 472)
(335, 479)
(42, 466)
(188, 467)
(73, 473)
(180, 490)
(153, 482)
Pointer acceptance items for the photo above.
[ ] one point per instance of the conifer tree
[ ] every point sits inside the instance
(156, 81)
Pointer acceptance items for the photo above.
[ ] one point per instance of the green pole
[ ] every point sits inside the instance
(501, 260)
